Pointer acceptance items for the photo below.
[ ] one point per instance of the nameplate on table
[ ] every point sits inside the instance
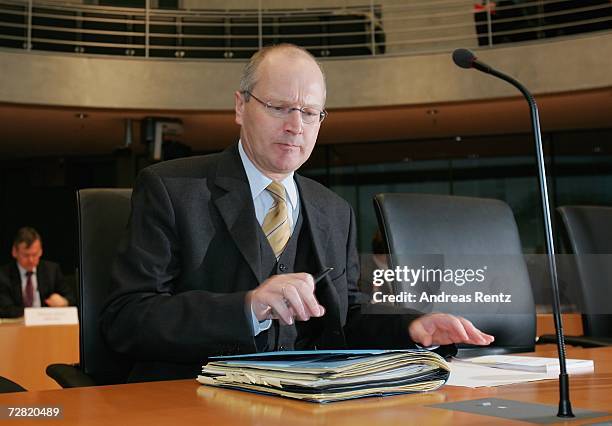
(51, 316)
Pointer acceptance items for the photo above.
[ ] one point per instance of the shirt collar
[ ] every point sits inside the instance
(258, 181)
(22, 270)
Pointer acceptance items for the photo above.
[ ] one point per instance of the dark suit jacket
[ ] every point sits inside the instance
(50, 280)
(191, 254)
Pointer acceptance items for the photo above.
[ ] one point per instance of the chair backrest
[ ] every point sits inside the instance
(454, 233)
(589, 234)
(102, 219)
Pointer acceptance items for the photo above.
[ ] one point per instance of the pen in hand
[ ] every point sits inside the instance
(322, 274)
(316, 279)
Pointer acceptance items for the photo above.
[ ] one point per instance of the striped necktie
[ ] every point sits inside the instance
(276, 223)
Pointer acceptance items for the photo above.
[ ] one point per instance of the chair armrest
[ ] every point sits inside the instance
(69, 376)
(584, 341)
(7, 385)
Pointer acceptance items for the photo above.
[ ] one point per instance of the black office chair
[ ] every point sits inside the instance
(102, 219)
(449, 232)
(7, 386)
(587, 233)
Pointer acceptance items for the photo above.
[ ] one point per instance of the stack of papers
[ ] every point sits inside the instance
(499, 370)
(327, 376)
(531, 363)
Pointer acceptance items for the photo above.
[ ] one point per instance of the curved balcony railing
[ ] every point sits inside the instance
(389, 27)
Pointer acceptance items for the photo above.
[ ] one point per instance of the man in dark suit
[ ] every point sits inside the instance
(221, 250)
(31, 281)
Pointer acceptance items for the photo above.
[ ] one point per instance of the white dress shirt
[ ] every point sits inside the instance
(262, 201)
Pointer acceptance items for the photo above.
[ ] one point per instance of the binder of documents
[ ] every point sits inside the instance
(327, 376)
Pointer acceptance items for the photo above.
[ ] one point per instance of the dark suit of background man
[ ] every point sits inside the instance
(31, 281)
(196, 276)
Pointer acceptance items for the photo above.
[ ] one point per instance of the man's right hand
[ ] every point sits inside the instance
(285, 297)
(56, 301)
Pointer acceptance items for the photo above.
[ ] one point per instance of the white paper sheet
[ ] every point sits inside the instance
(51, 316)
(534, 364)
(475, 376)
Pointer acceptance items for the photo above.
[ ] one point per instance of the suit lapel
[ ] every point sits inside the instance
(235, 205)
(16, 284)
(320, 228)
(42, 282)
(320, 231)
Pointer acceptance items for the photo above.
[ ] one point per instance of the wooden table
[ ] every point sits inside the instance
(25, 352)
(185, 402)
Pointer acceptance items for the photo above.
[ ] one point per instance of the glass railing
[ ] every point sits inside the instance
(383, 27)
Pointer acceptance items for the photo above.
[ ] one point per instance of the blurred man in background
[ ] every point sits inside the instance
(30, 281)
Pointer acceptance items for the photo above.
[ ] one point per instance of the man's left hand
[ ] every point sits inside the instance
(56, 301)
(444, 329)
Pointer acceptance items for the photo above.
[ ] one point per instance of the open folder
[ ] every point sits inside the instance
(327, 376)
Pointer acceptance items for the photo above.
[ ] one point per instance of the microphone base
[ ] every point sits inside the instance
(508, 409)
(565, 405)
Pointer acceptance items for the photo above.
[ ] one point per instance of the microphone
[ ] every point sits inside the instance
(466, 59)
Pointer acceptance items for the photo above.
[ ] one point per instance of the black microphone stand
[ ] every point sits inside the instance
(565, 405)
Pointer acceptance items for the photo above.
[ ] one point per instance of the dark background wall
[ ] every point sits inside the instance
(40, 192)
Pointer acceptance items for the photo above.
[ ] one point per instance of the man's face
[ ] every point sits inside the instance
(28, 257)
(279, 146)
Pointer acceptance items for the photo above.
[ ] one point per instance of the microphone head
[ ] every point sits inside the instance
(464, 58)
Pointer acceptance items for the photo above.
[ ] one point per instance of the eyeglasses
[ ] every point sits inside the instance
(309, 115)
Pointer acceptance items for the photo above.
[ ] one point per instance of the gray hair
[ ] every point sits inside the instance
(249, 74)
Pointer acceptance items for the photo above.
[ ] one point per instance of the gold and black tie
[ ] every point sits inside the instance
(276, 223)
